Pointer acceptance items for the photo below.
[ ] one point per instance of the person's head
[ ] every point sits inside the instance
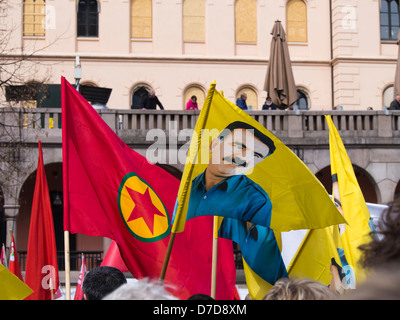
(140, 290)
(398, 97)
(152, 93)
(238, 149)
(386, 248)
(194, 99)
(299, 289)
(101, 281)
(200, 296)
(243, 96)
(382, 284)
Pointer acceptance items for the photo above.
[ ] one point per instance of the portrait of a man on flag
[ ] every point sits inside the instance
(224, 188)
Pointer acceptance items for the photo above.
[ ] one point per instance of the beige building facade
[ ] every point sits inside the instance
(341, 53)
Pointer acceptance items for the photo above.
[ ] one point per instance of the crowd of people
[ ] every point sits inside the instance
(380, 259)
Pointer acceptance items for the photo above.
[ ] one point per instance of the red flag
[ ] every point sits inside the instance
(41, 262)
(113, 258)
(78, 291)
(3, 256)
(112, 191)
(13, 264)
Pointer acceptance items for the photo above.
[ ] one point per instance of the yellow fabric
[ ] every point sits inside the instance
(257, 286)
(299, 200)
(12, 288)
(354, 207)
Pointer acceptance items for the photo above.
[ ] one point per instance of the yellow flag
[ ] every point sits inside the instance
(12, 288)
(350, 201)
(299, 200)
(313, 257)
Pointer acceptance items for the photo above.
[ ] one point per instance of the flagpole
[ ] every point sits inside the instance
(67, 266)
(214, 259)
(167, 256)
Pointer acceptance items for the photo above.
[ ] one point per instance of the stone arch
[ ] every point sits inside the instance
(366, 182)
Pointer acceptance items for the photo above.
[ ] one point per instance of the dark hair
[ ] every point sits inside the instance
(101, 281)
(193, 97)
(200, 296)
(386, 249)
(257, 133)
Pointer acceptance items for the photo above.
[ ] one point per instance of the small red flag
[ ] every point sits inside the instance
(41, 273)
(13, 264)
(112, 191)
(78, 291)
(113, 258)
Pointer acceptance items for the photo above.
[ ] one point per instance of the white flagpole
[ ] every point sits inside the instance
(67, 266)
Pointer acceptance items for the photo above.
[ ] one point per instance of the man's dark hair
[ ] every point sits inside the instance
(101, 281)
(257, 133)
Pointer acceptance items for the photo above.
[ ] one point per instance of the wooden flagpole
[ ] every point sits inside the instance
(67, 266)
(214, 258)
(167, 256)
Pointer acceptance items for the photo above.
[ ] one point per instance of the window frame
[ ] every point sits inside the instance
(35, 16)
(86, 16)
(389, 18)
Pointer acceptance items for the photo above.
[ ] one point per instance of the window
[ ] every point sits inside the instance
(389, 19)
(197, 91)
(141, 19)
(139, 93)
(246, 21)
(252, 98)
(88, 18)
(296, 13)
(388, 95)
(193, 20)
(302, 103)
(33, 17)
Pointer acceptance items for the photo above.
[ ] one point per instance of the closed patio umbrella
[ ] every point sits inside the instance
(279, 81)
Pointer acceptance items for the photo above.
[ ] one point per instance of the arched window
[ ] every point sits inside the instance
(141, 19)
(303, 102)
(390, 23)
(296, 14)
(388, 95)
(252, 97)
(138, 94)
(88, 18)
(34, 17)
(194, 20)
(194, 90)
(246, 21)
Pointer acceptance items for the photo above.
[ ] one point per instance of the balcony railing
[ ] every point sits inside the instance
(284, 124)
(92, 259)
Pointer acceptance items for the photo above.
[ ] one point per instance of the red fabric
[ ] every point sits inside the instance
(14, 263)
(78, 291)
(95, 162)
(113, 258)
(41, 260)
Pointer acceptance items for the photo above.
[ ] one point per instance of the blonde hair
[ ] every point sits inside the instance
(299, 289)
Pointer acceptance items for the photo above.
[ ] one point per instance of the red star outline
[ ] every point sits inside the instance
(144, 208)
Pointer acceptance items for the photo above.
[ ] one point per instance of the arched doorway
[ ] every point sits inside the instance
(366, 183)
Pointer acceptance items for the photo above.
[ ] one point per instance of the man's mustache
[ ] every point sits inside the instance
(236, 161)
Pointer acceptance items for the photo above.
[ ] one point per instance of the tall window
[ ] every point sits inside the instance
(193, 20)
(296, 14)
(141, 19)
(34, 15)
(388, 96)
(389, 19)
(302, 102)
(88, 18)
(246, 21)
(197, 91)
(252, 97)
